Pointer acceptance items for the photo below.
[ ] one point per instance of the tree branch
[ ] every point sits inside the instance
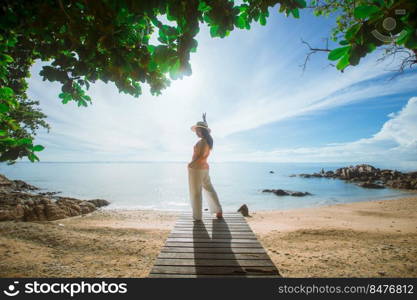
(313, 50)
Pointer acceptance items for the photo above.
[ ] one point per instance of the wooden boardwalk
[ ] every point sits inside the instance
(213, 248)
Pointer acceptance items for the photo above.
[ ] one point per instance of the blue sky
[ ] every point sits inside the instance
(259, 104)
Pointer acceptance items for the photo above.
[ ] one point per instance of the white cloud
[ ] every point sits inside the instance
(396, 142)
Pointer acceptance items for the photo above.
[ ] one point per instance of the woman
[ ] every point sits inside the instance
(198, 173)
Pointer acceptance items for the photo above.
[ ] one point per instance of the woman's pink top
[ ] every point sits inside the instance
(201, 152)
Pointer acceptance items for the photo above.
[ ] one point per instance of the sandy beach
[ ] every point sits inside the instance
(362, 239)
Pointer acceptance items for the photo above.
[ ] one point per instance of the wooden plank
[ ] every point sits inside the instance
(209, 240)
(212, 226)
(209, 215)
(214, 236)
(214, 218)
(213, 248)
(200, 262)
(215, 270)
(228, 250)
(224, 220)
(205, 229)
(214, 245)
(209, 230)
(212, 222)
(191, 233)
(221, 221)
(219, 256)
(210, 219)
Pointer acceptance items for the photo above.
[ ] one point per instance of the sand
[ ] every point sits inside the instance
(362, 239)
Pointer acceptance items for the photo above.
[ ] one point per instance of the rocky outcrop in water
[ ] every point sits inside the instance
(280, 192)
(18, 202)
(368, 176)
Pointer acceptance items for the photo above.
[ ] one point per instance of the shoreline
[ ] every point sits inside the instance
(358, 239)
(408, 194)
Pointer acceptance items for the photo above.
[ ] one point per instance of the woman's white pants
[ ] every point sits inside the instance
(199, 179)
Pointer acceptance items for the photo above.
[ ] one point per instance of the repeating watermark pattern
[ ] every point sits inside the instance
(63, 288)
(389, 24)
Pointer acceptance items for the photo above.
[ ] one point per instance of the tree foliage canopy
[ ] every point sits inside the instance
(90, 40)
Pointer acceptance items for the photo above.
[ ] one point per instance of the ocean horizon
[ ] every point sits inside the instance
(164, 185)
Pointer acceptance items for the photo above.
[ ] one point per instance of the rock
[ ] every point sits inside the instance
(244, 210)
(300, 194)
(6, 215)
(370, 185)
(329, 174)
(48, 193)
(99, 202)
(54, 212)
(16, 205)
(21, 185)
(370, 177)
(86, 207)
(280, 192)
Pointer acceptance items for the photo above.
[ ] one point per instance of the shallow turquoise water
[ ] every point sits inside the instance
(164, 185)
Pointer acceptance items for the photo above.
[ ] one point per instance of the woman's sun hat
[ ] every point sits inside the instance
(202, 124)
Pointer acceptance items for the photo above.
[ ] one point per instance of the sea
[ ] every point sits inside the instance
(164, 185)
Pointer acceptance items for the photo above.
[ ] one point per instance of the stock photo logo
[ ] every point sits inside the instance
(12, 290)
(390, 29)
(66, 288)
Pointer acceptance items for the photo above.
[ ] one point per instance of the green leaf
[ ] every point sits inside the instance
(66, 97)
(151, 48)
(371, 47)
(365, 11)
(32, 157)
(8, 141)
(295, 12)
(214, 31)
(24, 141)
(240, 22)
(152, 66)
(38, 148)
(203, 7)
(337, 53)
(262, 20)
(352, 31)
(6, 92)
(301, 3)
(343, 62)
(3, 133)
(194, 44)
(6, 58)
(174, 72)
(411, 42)
(4, 108)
